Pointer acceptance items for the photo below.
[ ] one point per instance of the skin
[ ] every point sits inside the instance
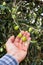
(17, 48)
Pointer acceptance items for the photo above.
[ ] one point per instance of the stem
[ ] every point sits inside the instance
(14, 2)
(17, 25)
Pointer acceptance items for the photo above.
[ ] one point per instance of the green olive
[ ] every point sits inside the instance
(19, 35)
(16, 27)
(1, 49)
(30, 29)
(24, 39)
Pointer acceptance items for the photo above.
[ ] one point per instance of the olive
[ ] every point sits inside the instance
(16, 27)
(24, 39)
(30, 29)
(19, 35)
(1, 49)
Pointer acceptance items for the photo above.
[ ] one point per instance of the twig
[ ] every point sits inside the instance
(17, 25)
(14, 2)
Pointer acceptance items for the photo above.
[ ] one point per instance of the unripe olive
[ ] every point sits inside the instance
(16, 27)
(19, 35)
(24, 39)
(1, 49)
(30, 29)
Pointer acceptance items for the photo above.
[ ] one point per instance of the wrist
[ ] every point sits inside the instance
(14, 56)
(10, 59)
(17, 58)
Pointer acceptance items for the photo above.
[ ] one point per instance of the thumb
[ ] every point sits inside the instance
(12, 38)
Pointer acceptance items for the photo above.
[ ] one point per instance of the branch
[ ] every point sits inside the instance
(14, 2)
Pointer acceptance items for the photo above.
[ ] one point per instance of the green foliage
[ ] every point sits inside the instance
(27, 16)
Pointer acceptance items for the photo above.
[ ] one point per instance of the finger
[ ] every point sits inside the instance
(20, 41)
(22, 32)
(27, 34)
(17, 40)
(26, 44)
(20, 44)
(12, 38)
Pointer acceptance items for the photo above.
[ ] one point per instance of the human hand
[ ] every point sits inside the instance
(17, 48)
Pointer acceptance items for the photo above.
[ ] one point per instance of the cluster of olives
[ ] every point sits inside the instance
(20, 35)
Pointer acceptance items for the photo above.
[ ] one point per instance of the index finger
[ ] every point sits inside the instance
(26, 44)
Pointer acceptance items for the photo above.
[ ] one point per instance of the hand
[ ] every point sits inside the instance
(17, 48)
